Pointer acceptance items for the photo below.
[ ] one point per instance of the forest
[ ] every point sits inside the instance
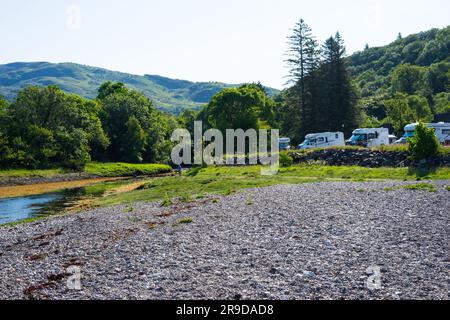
(391, 86)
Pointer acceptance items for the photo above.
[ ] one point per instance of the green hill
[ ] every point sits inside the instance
(373, 67)
(168, 94)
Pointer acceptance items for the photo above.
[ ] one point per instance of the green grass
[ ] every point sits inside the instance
(447, 188)
(228, 180)
(125, 169)
(24, 173)
(421, 186)
(185, 221)
(98, 169)
(415, 187)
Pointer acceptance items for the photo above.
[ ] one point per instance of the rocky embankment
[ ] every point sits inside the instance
(365, 158)
(312, 241)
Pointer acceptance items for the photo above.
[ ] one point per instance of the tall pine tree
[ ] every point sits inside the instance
(338, 95)
(302, 61)
(322, 97)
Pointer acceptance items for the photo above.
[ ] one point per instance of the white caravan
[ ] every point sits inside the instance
(369, 137)
(442, 132)
(392, 139)
(323, 140)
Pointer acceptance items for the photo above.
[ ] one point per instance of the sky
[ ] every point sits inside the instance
(232, 41)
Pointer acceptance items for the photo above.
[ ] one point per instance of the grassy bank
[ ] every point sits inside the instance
(92, 169)
(125, 169)
(25, 173)
(226, 180)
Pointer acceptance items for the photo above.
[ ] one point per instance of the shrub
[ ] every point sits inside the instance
(285, 160)
(424, 144)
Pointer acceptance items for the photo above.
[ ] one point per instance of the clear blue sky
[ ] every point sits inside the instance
(201, 40)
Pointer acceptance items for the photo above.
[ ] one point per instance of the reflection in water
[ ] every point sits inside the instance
(17, 209)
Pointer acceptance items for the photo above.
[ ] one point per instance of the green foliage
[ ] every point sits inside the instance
(408, 79)
(371, 122)
(403, 109)
(138, 132)
(125, 169)
(108, 88)
(421, 186)
(424, 144)
(185, 221)
(417, 65)
(136, 141)
(48, 127)
(442, 102)
(167, 202)
(246, 107)
(285, 160)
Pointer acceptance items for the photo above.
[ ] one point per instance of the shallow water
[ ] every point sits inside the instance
(21, 208)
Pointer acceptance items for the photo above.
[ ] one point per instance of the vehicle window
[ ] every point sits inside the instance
(445, 131)
(372, 136)
(320, 140)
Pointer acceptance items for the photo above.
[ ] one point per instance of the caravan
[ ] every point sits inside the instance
(323, 140)
(369, 137)
(442, 132)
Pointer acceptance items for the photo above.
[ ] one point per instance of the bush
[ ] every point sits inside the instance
(286, 160)
(424, 144)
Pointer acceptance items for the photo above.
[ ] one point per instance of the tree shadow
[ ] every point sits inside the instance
(422, 172)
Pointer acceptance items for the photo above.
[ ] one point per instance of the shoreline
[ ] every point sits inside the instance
(30, 180)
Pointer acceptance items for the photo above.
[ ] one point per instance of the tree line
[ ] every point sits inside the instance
(46, 127)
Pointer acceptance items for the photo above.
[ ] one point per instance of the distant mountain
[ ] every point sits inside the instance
(170, 95)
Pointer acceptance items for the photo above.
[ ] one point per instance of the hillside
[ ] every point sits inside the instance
(373, 67)
(168, 94)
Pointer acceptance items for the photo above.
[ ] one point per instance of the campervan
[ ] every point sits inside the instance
(285, 144)
(442, 132)
(392, 139)
(323, 140)
(369, 137)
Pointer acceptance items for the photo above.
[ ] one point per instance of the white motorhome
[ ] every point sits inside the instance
(442, 132)
(369, 137)
(284, 143)
(392, 139)
(323, 140)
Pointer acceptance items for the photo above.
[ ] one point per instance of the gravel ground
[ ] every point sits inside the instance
(311, 241)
